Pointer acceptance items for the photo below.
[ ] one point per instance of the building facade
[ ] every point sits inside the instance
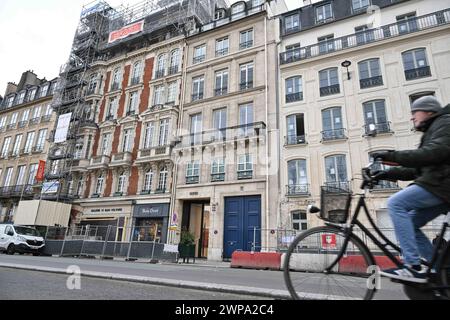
(26, 121)
(392, 56)
(224, 177)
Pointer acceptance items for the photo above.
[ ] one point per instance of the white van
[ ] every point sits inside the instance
(20, 239)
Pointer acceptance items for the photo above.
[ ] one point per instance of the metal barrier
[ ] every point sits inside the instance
(109, 242)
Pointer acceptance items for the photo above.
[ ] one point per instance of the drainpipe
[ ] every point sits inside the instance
(267, 128)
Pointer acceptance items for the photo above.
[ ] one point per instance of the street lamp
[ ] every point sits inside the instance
(347, 64)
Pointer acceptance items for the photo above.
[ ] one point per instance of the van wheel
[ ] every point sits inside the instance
(11, 250)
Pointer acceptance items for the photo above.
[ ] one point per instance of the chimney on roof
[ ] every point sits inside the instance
(306, 2)
(28, 79)
(10, 88)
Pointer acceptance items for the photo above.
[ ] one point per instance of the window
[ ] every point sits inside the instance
(375, 113)
(163, 132)
(172, 92)
(44, 90)
(80, 186)
(88, 147)
(416, 96)
(370, 73)
(218, 170)
(78, 151)
(364, 35)
(29, 142)
(112, 109)
(115, 84)
(42, 135)
(10, 101)
(21, 175)
(199, 54)
(92, 84)
(127, 142)
(256, 3)
(246, 119)
(3, 122)
(99, 186)
(220, 123)
(329, 82)
(245, 167)
(332, 124)
(158, 98)
(37, 112)
(70, 187)
(6, 145)
(137, 73)
(48, 110)
(219, 14)
(326, 44)
(336, 172)
(148, 181)
(246, 39)
(198, 86)
(32, 173)
(193, 172)
(237, 8)
(13, 120)
(382, 184)
(292, 23)
(292, 53)
(297, 177)
(416, 64)
(161, 66)
(121, 182)
(106, 138)
(246, 81)
(222, 47)
(294, 89)
(196, 129)
(21, 98)
(162, 184)
(132, 103)
(359, 5)
(296, 129)
(407, 23)
(174, 61)
(299, 220)
(31, 94)
(149, 134)
(221, 82)
(324, 13)
(17, 144)
(8, 177)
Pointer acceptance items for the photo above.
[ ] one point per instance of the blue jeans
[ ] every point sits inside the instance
(410, 210)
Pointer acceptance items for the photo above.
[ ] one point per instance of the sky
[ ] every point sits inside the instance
(37, 35)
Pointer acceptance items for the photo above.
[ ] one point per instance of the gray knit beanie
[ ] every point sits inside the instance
(426, 103)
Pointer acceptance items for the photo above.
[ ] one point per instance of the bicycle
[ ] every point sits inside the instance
(332, 262)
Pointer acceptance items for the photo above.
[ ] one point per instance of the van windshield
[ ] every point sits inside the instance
(24, 231)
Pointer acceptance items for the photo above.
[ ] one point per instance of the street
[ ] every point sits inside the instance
(207, 278)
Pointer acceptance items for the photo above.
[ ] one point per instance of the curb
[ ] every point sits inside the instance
(266, 293)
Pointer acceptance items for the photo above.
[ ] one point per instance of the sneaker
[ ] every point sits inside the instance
(406, 274)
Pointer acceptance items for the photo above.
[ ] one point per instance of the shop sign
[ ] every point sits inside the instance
(151, 211)
(126, 31)
(106, 211)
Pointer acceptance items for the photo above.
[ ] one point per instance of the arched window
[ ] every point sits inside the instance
(336, 172)
(333, 127)
(297, 177)
(238, 8)
(121, 180)
(137, 73)
(416, 64)
(161, 66)
(174, 61)
(99, 186)
(375, 113)
(294, 89)
(162, 185)
(148, 181)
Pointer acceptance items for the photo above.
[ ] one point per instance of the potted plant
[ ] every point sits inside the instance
(186, 248)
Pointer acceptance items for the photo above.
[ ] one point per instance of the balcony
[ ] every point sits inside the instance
(22, 191)
(80, 165)
(159, 74)
(192, 180)
(173, 70)
(99, 162)
(46, 118)
(245, 175)
(11, 126)
(384, 127)
(110, 117)
(199, 59)
(37, 149)
(337, 186)
(121, 159)
(331, 135)
(217, 177)
(246, 85)
(161, 191)
(221, 91)
(115, 86)
(371, 82)
(131, 113)
(197, 96)
(35, 121)
(22, 124)
(135, 81)
(396, 29)
(386, 186)
(292, 140)
(293, 97)
(418, 73)
(150, 154)
(246, 45)
(255, 130)
(297, 190)
(327, 91)
(222, 52)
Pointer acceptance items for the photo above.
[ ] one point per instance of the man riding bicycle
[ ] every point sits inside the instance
(429, 195)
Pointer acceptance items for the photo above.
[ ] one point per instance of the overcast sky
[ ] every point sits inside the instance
(37, 35)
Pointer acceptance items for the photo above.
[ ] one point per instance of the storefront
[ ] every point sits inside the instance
(151, 222)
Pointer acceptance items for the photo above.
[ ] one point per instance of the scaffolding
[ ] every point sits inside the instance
(162, 19)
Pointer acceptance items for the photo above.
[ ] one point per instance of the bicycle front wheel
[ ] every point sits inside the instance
(312, 272)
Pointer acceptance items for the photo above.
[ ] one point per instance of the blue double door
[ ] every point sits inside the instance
(242, 229)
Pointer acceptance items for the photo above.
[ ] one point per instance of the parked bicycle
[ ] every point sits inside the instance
(332, 262)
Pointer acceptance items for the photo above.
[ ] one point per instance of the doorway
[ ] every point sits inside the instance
(196, 219)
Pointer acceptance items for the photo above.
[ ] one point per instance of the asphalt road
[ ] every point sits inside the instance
(32, 285)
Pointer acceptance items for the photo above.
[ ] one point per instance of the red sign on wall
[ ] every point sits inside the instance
(41, 171)
(126, 31)
(329, 241)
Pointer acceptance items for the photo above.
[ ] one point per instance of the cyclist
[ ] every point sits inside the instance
(429, 195)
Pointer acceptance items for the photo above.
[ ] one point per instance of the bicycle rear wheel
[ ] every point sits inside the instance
(311, 254)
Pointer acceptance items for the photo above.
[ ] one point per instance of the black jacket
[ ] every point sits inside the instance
(429, 165)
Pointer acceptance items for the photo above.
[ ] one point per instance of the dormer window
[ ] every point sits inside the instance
(238, 8)
(220, 14)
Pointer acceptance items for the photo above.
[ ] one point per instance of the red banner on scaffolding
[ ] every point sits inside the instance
(41, 171)
(126, 31)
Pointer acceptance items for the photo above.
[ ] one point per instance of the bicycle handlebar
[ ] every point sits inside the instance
(368, 181)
